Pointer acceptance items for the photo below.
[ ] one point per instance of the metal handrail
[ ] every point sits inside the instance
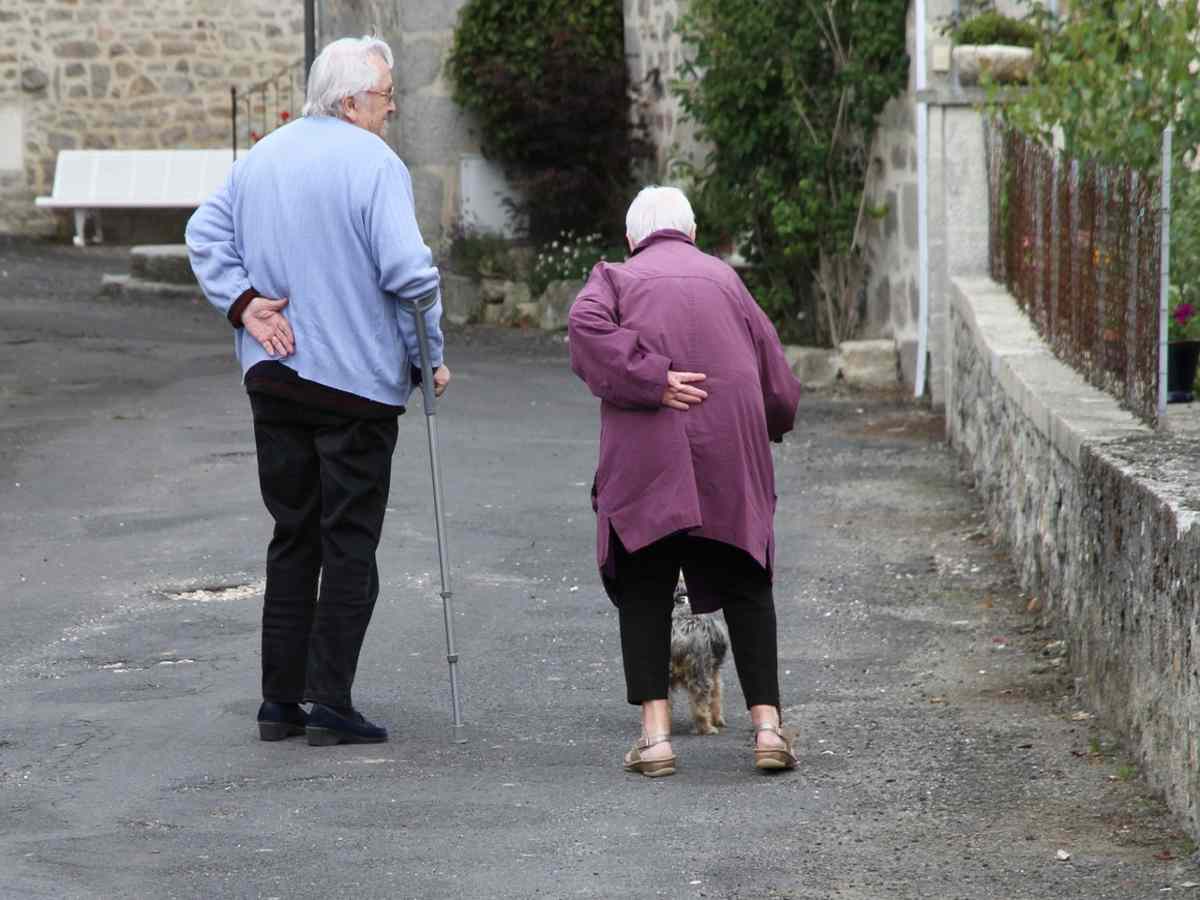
(270, 110)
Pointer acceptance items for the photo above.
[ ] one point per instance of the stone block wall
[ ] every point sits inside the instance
(1098, 514)
(429, 132)
(124, 74)
(654, 53)
(890, 245)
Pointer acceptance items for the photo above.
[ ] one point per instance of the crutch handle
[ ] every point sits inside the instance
(417, 308)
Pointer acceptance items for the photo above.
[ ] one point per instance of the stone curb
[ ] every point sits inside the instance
(136, 288)
(165, 263)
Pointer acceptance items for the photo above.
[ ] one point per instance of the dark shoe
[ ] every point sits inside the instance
(277, 721)
(328, 726)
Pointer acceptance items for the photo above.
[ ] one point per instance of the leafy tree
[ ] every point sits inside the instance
(788, 92)
(1112, 76)
(548, 83)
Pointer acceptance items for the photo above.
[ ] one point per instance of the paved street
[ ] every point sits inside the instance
(943, 751)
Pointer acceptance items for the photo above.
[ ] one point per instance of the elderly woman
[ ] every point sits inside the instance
(693, 383)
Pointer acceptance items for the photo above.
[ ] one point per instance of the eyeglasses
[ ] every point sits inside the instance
(389, 95)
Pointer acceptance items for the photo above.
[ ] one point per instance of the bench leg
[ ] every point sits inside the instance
(98, 222)
(80, 224)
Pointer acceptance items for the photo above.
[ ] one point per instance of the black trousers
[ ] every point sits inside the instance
(643, 590)
(325, 480)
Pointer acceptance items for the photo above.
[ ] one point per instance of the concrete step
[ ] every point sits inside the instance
(161, 263)
(861, 364)
(141, 289)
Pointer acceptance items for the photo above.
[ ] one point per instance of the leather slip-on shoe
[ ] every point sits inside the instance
(277, 721)
(327, 727)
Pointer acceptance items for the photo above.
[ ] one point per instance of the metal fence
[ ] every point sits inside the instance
(260, 109)
(1078, 246)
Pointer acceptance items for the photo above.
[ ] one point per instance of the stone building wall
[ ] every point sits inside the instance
(890, 242)
(654, 53)
(124, 74)
(429, 132)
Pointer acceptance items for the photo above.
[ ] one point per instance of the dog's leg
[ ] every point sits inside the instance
(716, 714)
(701, 706)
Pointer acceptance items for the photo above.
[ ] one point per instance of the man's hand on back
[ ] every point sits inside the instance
(266, 324)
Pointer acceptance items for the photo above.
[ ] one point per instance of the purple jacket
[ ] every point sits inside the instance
(707, 470)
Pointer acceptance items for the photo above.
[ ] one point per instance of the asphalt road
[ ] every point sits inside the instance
(943, 751)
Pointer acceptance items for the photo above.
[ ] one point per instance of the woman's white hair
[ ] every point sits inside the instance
(656, 208)
(342, 70)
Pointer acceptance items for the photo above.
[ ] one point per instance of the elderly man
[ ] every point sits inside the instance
(694, 384)
(311, 250)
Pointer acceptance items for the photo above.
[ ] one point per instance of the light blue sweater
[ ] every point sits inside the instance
(321, 212)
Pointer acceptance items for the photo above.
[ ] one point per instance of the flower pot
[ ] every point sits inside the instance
(1182, 357)
(1005, 64)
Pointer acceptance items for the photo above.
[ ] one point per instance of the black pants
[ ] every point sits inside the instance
(643, 590)
(325, 480)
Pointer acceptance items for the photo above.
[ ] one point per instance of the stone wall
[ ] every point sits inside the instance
(1098, 514)
(124, 74)
(890, 243)
(654, 53)
(429, 132)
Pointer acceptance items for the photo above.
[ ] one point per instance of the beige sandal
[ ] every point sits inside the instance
(773, 758)
(651, 768)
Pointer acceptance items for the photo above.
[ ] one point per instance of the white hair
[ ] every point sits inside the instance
(656, 208)
(342, 70)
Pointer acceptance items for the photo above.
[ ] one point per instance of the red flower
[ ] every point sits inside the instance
(255, 136)
(284, 116)
(1183, 312)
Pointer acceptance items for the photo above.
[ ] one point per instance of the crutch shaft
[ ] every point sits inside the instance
(429, 395)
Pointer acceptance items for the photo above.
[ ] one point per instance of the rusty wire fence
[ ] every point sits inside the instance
(1077, 244)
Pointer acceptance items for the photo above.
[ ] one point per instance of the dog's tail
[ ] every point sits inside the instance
(720, 644)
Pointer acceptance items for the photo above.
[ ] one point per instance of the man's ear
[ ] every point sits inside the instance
(629, 241)
(692, 233)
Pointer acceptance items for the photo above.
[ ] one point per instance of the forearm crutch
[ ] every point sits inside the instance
(421, 306)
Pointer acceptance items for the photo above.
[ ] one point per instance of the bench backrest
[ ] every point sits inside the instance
(163, 178)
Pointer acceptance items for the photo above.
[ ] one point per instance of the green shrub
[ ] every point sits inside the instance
(547, 82)
(570, 257)
(789, 95)
(480, 253)
(993, 28)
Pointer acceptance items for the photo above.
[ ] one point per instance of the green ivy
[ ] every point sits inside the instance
(789, 94)
(547, 82)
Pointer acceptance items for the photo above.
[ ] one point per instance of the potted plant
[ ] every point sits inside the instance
(988, 41)
(1183, 346)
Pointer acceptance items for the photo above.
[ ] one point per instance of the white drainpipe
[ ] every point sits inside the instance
(922, 204)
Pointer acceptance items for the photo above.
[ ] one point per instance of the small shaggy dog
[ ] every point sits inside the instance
(698, 647)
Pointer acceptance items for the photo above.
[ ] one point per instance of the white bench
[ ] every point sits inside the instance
(88, 181)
